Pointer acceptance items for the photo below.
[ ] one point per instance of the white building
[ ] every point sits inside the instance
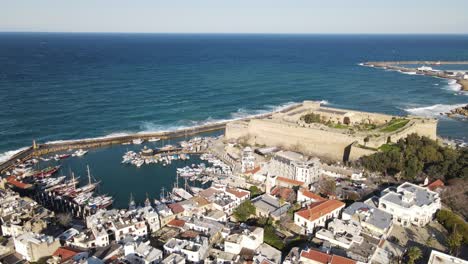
(174, 259)
(305, 197)
(374, 221)
(338, 171)
(250, 238)
(119, 223)
(343, 233)
(317, 214)
(33, 247)
(442, 258)
(267, 254)
(410, 204)
(295, 166)
(142, 253)
(194, 250)
(248, 160)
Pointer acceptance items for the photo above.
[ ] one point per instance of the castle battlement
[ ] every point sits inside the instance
(338, 134)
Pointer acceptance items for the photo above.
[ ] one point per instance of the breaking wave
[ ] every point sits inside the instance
(7, 155)
(150, 127)
(241, 113)
(452, 85)
(433, 110)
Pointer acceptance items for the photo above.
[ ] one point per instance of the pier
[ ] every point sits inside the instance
(399, 66)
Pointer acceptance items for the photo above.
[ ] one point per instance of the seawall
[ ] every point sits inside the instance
(42, 149)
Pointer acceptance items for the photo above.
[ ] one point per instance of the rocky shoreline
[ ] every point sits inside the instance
(400, 66)
(459, 111)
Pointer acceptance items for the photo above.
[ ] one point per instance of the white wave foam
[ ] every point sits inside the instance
(241, 113)
(433, 110)
(452, 85)
(324, 102)
(408, 73)
(113, 135)
(8, 154)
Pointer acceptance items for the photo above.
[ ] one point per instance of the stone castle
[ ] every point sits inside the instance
(340, 134)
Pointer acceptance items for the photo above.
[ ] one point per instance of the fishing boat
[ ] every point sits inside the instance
(137, 141)
(63, 156)
(47, 172)
(85, 189)
(80, 153)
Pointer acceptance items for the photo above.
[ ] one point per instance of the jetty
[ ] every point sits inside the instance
(37, 150)
(461, 77)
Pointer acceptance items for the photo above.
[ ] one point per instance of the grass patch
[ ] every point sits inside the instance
(271, 238)
(366, 147)
(388, 147)
(339, 126)
(394, 125)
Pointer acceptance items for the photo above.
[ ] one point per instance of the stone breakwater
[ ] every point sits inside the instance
(398, 66)
(42, 149)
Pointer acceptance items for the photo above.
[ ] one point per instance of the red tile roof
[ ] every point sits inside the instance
(319, 209)
(238, 193)
(254, 170)
(65, 253)
(12, 180)
(311, 195)
(176, 208)
(290, 181)
(316, 255)
(284, 193)
(341, 260)
(435, 184)
(176, 223)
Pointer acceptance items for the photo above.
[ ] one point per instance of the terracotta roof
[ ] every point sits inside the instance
(254, 170)
(176, 208)
(311, 195)
(319, 209)
(316, 255)
(435, 184)
(290, 181)
(65, 253)
(189, 234)
(341, 260)
(176, 223)
(282, 192)
(200, 201)
(208, 192)
(237, 192)
(12, 180)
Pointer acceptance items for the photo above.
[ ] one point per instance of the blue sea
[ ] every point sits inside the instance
(71, 86)
(58, 86)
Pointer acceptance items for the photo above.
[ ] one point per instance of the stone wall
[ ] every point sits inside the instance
(322, 143)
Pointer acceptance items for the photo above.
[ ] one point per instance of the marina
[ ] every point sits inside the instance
(96, 179)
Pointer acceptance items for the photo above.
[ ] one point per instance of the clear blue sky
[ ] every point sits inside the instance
(236, 16)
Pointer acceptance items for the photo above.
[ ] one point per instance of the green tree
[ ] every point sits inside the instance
(254, 191)
(414, 253)
(454, 242)
(430, 241)
(244, 211)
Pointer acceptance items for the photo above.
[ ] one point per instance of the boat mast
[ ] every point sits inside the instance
(89, 175)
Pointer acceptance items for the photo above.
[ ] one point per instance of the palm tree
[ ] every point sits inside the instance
(414, 253)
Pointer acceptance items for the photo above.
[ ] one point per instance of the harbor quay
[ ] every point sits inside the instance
(269, 189)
